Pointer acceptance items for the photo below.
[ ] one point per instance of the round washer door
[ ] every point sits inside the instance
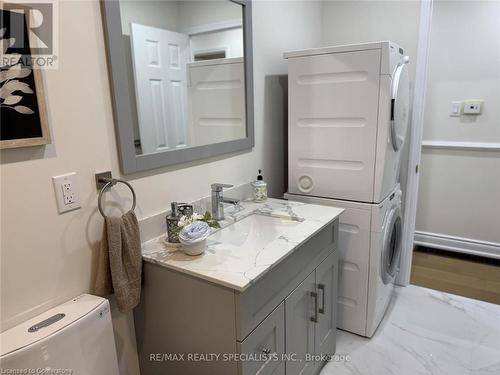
(391, 245)
(400, 105)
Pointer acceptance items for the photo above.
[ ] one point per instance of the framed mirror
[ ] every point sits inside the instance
(181, 78)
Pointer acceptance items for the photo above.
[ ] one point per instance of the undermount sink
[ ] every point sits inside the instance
(254, 231)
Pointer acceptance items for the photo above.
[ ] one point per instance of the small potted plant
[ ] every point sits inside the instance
(193, 232)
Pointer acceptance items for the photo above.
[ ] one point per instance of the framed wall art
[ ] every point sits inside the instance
(23, 113)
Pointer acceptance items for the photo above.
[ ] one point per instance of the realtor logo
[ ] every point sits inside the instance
(30, 29)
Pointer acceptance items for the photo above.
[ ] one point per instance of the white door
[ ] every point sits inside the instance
(159, 59)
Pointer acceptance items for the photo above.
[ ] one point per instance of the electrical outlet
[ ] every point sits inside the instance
(472, 107)
(66, 190)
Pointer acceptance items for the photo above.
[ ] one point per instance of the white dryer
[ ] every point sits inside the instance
(348, 118)
(369, 253)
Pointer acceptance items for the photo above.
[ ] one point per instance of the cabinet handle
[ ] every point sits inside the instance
(321, 287)
(315, 317)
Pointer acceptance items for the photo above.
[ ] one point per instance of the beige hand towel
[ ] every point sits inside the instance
(119, 265)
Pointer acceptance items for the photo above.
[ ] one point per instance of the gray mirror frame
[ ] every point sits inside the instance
(119, 82)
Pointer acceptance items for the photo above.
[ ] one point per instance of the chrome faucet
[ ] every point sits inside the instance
(218, 200)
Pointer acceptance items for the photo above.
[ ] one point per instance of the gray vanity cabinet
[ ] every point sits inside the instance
(299, 309)
(326, 284)
(310, 318)
(267, 341)
(287, 313)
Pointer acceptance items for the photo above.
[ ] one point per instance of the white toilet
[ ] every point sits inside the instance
(73, 338)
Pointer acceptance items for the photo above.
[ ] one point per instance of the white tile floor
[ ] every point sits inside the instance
(426, 332)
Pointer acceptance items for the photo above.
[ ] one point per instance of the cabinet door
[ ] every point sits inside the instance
(300, 311)
(326, 284)
(266, 344)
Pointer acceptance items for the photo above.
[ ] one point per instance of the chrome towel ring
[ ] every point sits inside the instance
(109, 182)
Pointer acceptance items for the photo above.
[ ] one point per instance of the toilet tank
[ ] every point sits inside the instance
(73, 338)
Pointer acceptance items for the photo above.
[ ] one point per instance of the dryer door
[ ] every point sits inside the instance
(400, 104)
(391, 246)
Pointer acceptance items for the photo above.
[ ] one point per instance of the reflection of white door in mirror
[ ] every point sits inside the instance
(159, 57)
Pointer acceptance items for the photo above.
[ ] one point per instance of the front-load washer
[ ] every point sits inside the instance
(369, 253)
(348, 118)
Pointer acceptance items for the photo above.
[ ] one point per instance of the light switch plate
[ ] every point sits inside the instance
(67, 192)
(456, 109)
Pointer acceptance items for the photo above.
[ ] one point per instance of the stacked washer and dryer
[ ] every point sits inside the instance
(348, 119)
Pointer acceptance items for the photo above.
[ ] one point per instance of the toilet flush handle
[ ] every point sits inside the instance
(45, 323)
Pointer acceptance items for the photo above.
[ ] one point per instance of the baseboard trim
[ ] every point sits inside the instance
(472, 146)
(457, 244)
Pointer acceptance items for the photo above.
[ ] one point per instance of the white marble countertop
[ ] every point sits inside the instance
(229, 265)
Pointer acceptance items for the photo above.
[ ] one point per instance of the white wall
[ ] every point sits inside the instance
(464, 64)
(346, 22)
(195, 13)
(459, 192)
(230, 40)
(47, 258)
(161, 14)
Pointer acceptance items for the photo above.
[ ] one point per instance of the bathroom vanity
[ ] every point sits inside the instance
(261, 299)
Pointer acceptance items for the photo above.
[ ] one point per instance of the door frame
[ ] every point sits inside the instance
(417, 125)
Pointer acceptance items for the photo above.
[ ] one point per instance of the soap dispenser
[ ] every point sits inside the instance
(177, 211)
(172, 221)
(259, 189)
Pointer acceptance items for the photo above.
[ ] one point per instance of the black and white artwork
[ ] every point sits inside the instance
(23, 119)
